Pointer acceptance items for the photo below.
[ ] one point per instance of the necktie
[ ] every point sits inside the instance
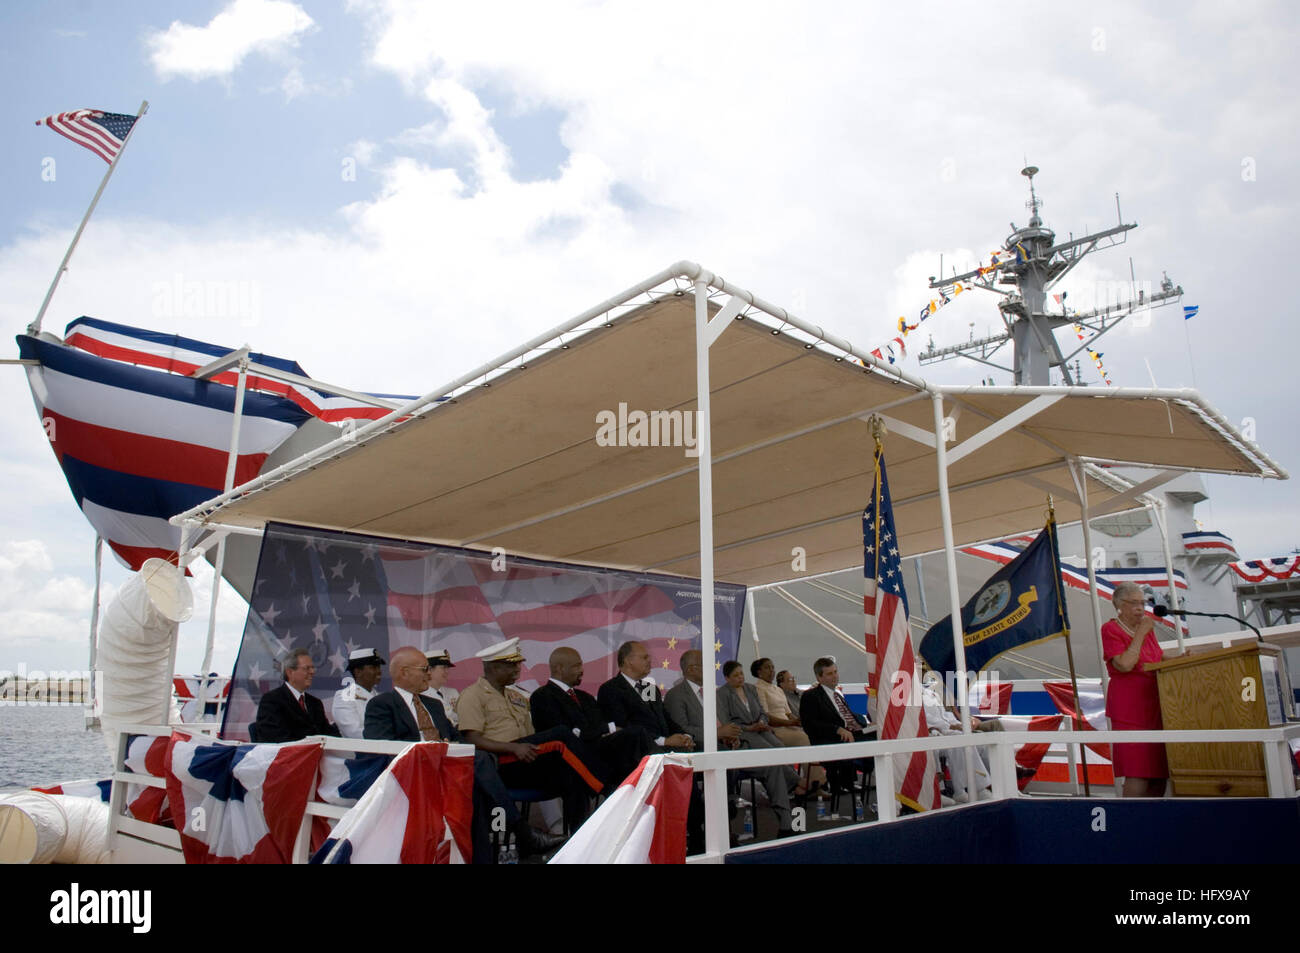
(645, 690)
(428, 730)
(302, 702)
(574, 696)
(850, 722)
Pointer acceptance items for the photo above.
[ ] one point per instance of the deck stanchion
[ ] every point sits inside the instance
(91, 717)
(1002, 765)
(886, 803)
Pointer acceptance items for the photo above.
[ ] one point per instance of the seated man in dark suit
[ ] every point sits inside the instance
(826, 718)
(393, 716)
(288, 713)
(629, 699)
(559, 703)
(685, 705)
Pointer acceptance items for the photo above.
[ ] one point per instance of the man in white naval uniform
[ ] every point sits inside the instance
(941, 721)
(350, 701)
(440, 665)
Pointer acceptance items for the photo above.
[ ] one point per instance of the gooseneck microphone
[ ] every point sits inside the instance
(1162, 611)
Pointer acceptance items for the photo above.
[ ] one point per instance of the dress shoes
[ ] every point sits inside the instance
(531, 841)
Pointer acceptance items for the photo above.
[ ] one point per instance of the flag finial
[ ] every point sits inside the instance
(878, 429)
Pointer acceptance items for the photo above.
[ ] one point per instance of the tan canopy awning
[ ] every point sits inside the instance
(520, 463)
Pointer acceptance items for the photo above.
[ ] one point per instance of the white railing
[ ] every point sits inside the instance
(159, 837)
(1000, 747)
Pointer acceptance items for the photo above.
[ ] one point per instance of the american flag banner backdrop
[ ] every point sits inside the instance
(333, 592)
(891, 657)
(103, 133)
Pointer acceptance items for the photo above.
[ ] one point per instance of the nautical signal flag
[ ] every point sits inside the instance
(1189, 311)
(1020, 604)
(101, 132)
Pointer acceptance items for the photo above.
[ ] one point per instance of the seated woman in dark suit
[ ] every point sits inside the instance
(738, 704)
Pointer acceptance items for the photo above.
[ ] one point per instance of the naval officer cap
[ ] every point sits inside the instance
(439, 657)
(359, 657)
(507, 651)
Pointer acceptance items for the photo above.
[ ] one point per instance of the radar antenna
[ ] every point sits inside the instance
(1038, 263)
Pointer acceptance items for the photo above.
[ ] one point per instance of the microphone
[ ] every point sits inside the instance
(1162, 611)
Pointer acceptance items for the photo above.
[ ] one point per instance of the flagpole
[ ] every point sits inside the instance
(35, 327)
(1069, 651)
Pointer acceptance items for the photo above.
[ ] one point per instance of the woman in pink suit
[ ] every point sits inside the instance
(1132, 703)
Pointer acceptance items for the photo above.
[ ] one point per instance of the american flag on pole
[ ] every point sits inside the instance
(891, 657)
(101, 132)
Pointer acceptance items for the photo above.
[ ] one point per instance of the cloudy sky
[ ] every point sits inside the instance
(407, 190)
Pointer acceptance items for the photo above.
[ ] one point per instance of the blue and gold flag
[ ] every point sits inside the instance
(1021, 604)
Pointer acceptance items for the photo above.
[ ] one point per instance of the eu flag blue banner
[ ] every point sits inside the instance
(1022, 603)
(334, 592)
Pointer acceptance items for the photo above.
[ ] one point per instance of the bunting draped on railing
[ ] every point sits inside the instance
(1262, 570)
(1209, 542)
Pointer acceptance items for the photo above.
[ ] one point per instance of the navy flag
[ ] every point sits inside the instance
(1020, 604)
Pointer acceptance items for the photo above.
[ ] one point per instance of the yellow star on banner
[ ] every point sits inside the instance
(716, 666)
(665, 663)
(717, 646)
(672, 642)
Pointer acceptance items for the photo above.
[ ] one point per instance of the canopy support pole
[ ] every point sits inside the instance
(753, 620)
(1162, 523)
(716, 833)
(954, 594)
(232, 458)
(1094, 602)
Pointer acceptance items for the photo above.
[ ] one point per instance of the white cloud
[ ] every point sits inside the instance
(216, 50)
(820, 160)
(44, 613)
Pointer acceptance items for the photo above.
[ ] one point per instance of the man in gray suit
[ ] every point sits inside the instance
(685, 706)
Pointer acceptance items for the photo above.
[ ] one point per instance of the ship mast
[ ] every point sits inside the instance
(1039, 263)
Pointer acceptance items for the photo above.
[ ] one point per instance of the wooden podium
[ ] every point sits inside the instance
(1221, 688)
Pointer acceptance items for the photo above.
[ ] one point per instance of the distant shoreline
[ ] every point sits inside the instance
(44, 691)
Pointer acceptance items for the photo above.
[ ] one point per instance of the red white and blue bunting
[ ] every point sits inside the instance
(1202, 542)
(1262, 570)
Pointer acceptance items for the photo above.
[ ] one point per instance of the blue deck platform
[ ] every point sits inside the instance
(1028, 831)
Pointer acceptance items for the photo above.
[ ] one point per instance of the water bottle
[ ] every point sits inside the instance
(508, 853)
(748, 833)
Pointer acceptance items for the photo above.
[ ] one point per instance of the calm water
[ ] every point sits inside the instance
(44, 745)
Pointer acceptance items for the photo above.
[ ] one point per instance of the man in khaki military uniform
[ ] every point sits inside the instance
(494, 717)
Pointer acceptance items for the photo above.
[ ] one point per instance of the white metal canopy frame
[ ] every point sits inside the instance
(509, 455)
